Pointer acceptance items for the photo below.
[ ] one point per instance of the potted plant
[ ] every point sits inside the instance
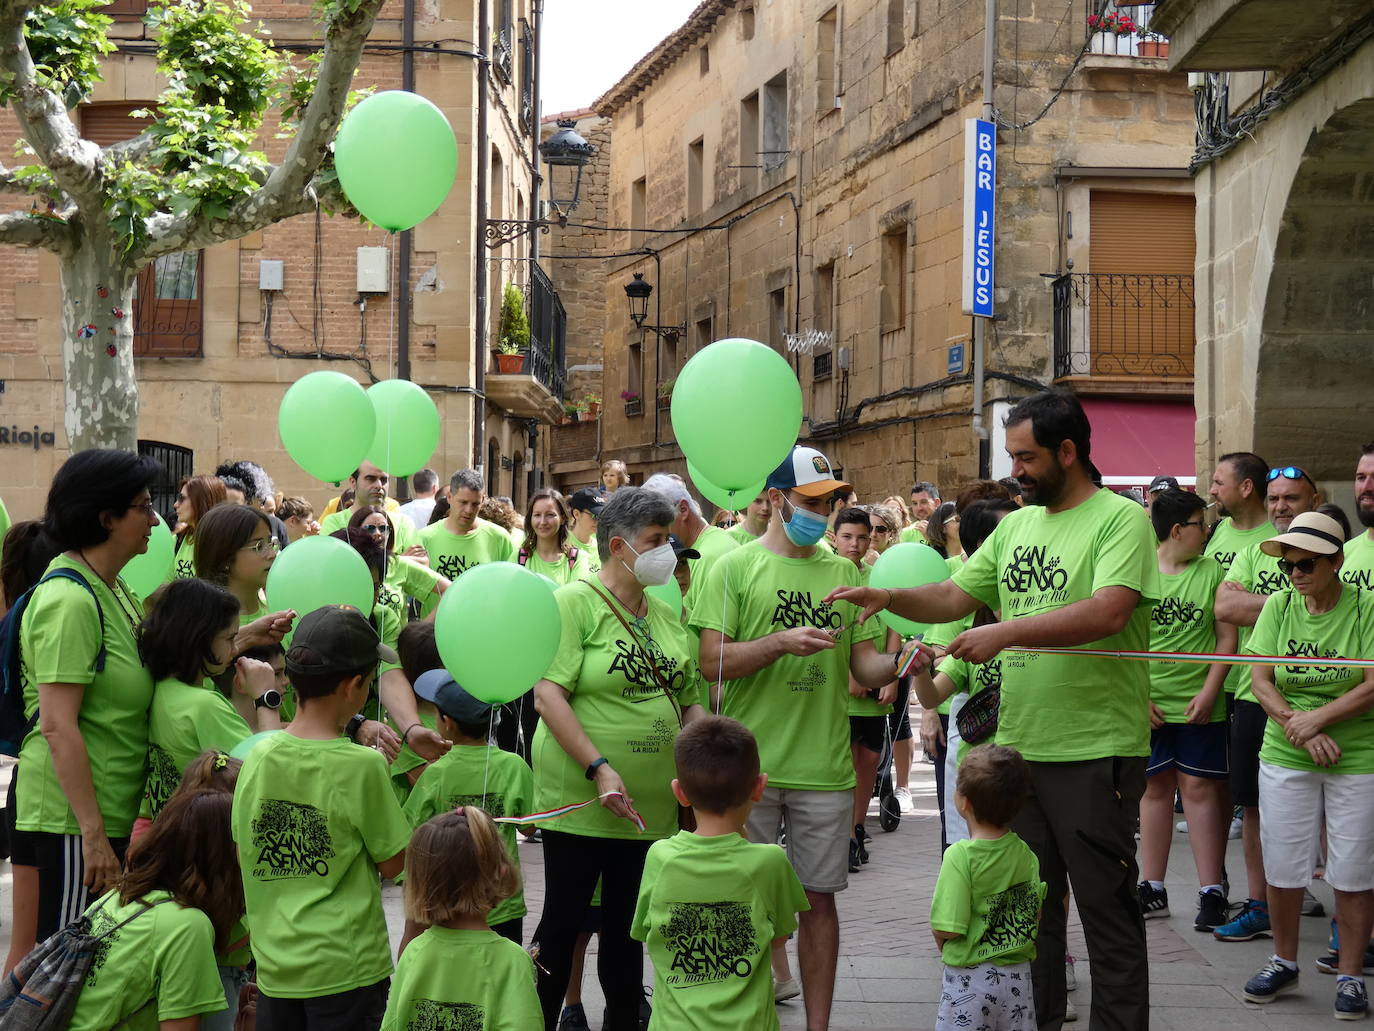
(513, 336)
(579, 409)
(1108, 28)
(569, 413)
(665, 394)
(633, 404)
(593, 402)
(1152, 44)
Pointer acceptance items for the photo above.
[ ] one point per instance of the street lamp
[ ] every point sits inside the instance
(637, 293)
(565, 149)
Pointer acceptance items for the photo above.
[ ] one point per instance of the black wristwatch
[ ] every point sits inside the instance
(354, 724)
(269, 699)
(596, 764)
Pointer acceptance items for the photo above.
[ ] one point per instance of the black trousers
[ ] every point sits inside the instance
(572, 865)
(515, 732)
(359, 1009)
(939, 755)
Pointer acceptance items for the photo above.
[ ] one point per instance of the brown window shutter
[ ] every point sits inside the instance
(104, 124)
(1142, 232)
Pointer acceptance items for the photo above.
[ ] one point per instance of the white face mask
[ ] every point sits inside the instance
(655, 567)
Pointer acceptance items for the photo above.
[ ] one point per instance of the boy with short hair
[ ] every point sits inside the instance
(712, 904)
(315, 820)
(473, 772)
(985, 913)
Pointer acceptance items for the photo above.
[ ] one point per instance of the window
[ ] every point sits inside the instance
(667, 357)
(634, 371)
(639, 199)
(749, 142)
(777, 320)
(639, 114)
(176, 463)
(746, 22)
(774, 150)
(823, 299)
(126, 10)
(896, 26)
(826, 81)
(892, 314)
(703, 334)
(696, 177)
(704, 60)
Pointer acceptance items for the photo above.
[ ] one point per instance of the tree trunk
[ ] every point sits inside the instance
(101, 404)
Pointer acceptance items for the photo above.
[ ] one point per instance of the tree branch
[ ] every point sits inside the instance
(129, 150)
(27, 230)
(43, 118)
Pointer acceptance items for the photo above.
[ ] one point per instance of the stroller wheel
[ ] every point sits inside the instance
(889, 812)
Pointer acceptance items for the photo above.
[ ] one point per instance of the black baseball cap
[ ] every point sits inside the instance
(439, 687)
(681, 550)
(588, 499)
(1162, 483)
(339, 639)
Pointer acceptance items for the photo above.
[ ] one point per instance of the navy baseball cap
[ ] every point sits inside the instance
(588, 499)
(808, 472)
(439, 687)
(680, 549)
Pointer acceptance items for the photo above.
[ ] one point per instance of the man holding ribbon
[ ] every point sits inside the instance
(1075, 567)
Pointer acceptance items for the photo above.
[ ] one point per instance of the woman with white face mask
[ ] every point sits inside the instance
(623, 683)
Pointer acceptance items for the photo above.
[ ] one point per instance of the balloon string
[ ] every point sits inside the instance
(718, 703)
(393, 273)
(486, 763)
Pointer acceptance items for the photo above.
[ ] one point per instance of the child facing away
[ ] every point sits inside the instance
(473, 773)
(711, 903)
(985, 914)
(458, 972)
(315, 820)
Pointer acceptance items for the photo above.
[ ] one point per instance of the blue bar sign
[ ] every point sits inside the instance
(980, 215)
(954, 359)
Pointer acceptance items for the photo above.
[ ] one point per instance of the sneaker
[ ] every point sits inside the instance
(866, 836)
(1311, 906)
(859, 840)
(904, 803)
(1252, 923)
(1154, 902)
(1330, 963)
(784, 990)
(1233, 834)
(855, 863)
(1181, 826)
(1070, 1012)
(646, 1009)
(1070, 978)
(1352, 1003)
(573, 1018)
(1211, 910)
(1271, 982)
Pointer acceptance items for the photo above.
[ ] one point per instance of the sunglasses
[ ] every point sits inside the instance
(263, 544)
(1290, 472)
(1306, 566)
(376, 530)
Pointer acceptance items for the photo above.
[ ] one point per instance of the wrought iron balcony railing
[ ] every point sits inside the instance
(1113, 324)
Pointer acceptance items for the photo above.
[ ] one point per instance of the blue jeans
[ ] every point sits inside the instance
(233, 978)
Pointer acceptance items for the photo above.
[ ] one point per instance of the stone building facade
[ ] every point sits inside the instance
(793, 173)
(218, 352)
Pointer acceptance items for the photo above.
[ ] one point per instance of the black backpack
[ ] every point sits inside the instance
(13, 726)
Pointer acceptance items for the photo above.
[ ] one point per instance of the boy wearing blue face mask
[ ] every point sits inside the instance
(785, 657)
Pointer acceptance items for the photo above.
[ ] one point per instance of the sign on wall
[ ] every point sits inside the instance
(980, 182)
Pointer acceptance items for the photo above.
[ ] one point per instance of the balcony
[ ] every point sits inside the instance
(537, 390)
(1244, 35)
(1142, 42)
(503, 56)
(1125, 331)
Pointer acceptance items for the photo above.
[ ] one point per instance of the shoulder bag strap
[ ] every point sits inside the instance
(653, 664)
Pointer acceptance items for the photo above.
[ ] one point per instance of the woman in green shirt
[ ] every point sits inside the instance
(546, 548)
(198, 494)
(235, 549)
(624, 680)
(407, 575)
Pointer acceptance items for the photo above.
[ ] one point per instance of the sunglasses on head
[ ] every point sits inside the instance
(1290, 472)
(1305, 566)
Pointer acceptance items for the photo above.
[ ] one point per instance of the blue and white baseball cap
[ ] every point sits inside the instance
(808, 472)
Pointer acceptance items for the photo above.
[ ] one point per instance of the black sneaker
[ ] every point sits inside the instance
(1211, 910)
(573, 1018)
(1352, 1003)
(646, 1008)
(855, 864)
(1154, 902)
(1331, 962)
(859, 840)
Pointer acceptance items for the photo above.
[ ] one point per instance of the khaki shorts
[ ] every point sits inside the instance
(817, 824)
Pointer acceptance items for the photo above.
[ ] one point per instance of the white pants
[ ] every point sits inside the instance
(1293, 806)
(955, 827)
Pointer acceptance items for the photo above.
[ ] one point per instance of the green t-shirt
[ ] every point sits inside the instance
(741, 533)
(954, 562)
(713, 543)
(1227, 542)
(970, 679)
(1183, 621)
(562, 570)
(911, 535)
(184, 721)
(312, 820)
(498, 782)
(164, 956)
(868, 705)
(1258, 573)
(59, 640)
(940, 635)
(183, 557)
(452, 555)
(4, 520)
(1064, 708)
(408, 759)
(593, 557)
(459, 980)
(405, 578)
(406, 534)
(989, 892)
(797, 706)
(617, 699)
(1357, 568)
(709, 910)
(1285, 627)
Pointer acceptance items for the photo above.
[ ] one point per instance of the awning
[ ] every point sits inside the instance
(1135, 441)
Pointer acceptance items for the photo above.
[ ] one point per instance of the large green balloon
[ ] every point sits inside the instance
(734, 500)
(241, 750)
(396, 157)
(407, 427)
(907, 565)
(670, 593)
(147, 572)
(737, 409)
(497, 629)
(319, 571)
(327, 423)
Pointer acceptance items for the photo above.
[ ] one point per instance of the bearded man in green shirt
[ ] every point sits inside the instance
(1075, 567)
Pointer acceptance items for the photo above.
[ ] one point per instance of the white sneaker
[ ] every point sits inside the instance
(784, 990)
(1181, 826)
(1070, 978)
(1070, 1012)
(904, 802)
(1234, 832)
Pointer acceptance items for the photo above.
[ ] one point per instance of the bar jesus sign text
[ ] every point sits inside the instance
(980, 180)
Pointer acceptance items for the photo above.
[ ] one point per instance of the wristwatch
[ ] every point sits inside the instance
(596, 764)
(354, 725)
(269, 699)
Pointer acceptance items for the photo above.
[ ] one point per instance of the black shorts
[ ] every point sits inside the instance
(899, 721)
(21, 847)
(1248, 721)
(868, 731)
(1197, 750)
(62, 894)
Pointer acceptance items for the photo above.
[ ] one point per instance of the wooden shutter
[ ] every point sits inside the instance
(104, 124)
(1142, 232)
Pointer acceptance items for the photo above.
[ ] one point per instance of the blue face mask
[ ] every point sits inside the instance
(804, 528)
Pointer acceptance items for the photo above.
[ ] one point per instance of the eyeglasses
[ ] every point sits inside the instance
(262, 544)
(1290, 472)
(376, 530)
(880, 529)
(725, 524)
(147, 506)
(1196, 522)
(1306, 566)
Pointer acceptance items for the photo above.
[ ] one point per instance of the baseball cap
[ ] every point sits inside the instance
(1162, 483)
(808, 472)
(680, 549)
(439, 687)
(1311, 531)
(588, 499)
(340, 638)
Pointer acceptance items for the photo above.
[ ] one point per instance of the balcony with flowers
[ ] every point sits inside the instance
(1123, 30)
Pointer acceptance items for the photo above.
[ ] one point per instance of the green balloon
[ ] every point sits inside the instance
(737, 409)
(319, 571)
(407, 427)
(670, 593)
(907, 565)
(497, 628)
(327, 423)
(147, 572)
(397, 157)
(240, 751)
(733, 500)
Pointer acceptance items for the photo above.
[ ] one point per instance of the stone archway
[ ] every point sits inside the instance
(1315, 373)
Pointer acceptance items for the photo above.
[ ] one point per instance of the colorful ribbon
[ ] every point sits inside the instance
(564, 810)
(1204, 657)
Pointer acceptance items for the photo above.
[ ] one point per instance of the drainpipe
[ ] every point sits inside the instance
(479, 246)
(535, 179)
(403, 301)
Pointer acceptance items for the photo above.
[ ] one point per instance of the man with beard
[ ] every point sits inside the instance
(1075, 567)
(1358, 568)
(370, 485)
(925, 499)
(1238, 492)
(460, 540)
(1252, 577)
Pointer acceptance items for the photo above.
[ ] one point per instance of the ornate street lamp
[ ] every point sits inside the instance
(567, 154)
(637, 293)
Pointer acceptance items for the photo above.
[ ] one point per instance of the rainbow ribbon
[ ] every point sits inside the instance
(564, 810)
(1203, 657)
